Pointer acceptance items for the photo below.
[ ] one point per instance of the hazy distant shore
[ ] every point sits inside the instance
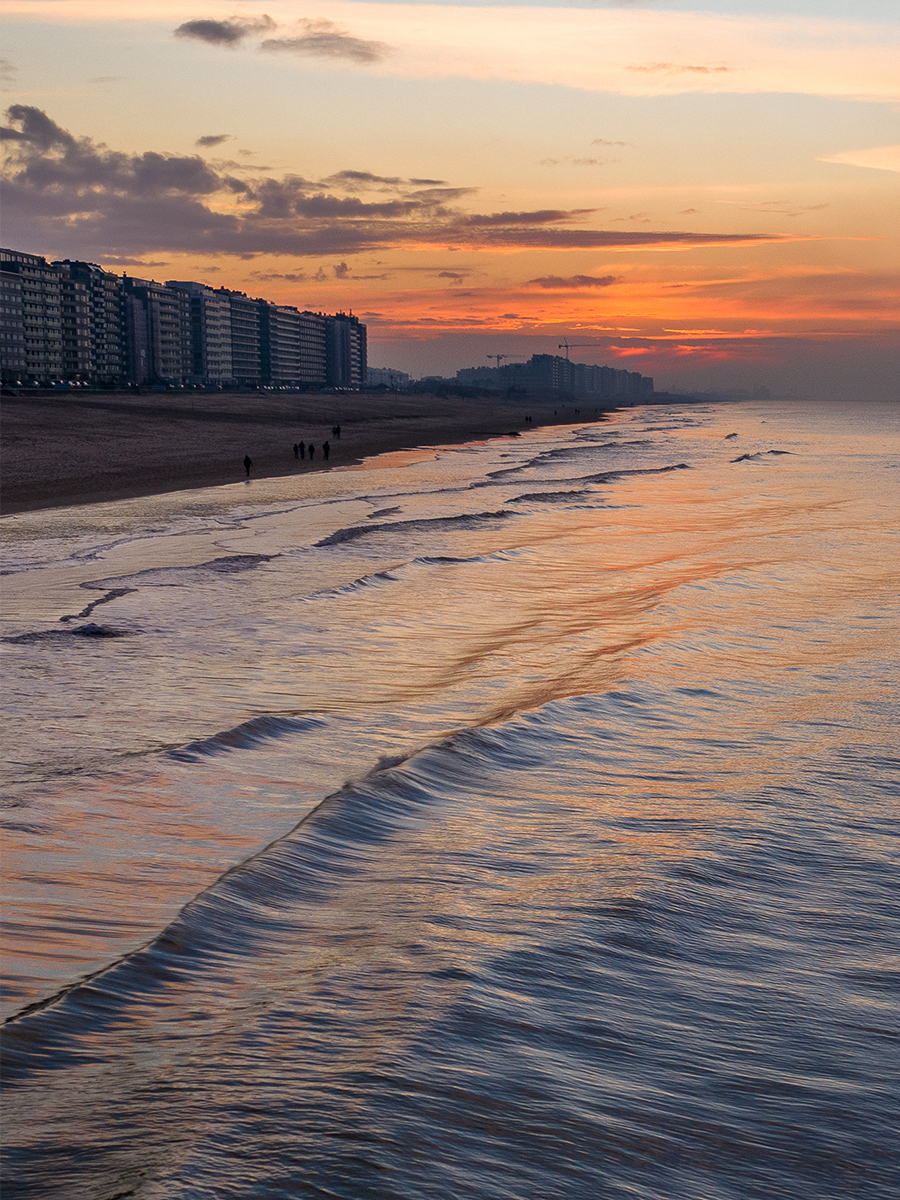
(66, 450)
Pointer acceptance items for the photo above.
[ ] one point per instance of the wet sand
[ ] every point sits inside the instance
(58, 450)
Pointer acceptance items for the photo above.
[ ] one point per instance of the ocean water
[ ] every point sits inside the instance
(515, 821)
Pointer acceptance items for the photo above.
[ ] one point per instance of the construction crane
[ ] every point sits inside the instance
(499, 357)
(567, 346)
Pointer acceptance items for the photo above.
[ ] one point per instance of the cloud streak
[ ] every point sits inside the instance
(878, 158)
(570, 283)
(324, 39)
(667, 68)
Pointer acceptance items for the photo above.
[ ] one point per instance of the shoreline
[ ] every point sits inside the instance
(60, 451)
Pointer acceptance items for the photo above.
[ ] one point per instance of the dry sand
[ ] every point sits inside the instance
(64, 449)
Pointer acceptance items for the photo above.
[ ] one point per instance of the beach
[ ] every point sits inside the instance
(70, 449)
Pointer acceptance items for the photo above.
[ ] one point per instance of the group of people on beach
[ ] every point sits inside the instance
(302, 450)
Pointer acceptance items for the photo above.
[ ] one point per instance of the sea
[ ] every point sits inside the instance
(515, 820)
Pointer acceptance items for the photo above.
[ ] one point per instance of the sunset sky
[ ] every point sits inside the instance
(705, 192)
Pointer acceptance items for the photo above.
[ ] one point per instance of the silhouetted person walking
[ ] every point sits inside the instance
(337, 431)
(326, 449)
(303, 449)
(296, 450)
(248, 463)
(312, 451)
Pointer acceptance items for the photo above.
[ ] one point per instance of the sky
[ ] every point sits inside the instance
(707, 192)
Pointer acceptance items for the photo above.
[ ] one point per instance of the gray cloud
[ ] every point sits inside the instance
(119, 260)
(324, 39)
(575, 162)
(212, 139)
(572, 282)
(225, 33)
(541, 216)
(353, 181)
(64, 169)
(289, 277)
(366, 181)
(75, 196)
(343, 271)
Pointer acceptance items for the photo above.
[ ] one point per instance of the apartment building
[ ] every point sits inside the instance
(345, 350)
(75, 327)
(246, 359)
(41, 315)
(107, 320)
(158, 332)
(313, 350)
(279, 343)
(210, 318)
(12, 328)
(386, 377)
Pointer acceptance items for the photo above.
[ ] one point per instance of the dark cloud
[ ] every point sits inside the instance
(289, 277)
(667, 68)
(542, 216)
(343, 271)
(117, 260)
(604, 142)
(225, 33)
(455, 276)
(212, 139)
(570, 283)
(324, 39)
(79, 196)
(363, 180)
(64, 169)
(36, 128)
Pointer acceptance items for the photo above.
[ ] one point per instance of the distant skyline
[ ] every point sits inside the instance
(704, 193)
